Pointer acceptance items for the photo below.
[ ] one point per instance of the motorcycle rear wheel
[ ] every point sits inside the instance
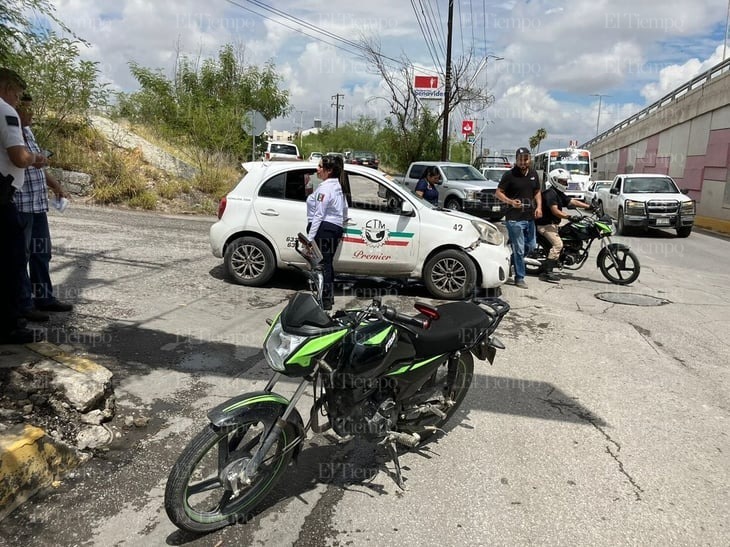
(437, 384)
(628, 266)
(197, 500)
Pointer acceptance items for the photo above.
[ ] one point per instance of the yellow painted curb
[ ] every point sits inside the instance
(79, 364)
(29, 462)
(714, 224)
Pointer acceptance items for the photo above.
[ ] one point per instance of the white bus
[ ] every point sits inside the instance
(575, 161)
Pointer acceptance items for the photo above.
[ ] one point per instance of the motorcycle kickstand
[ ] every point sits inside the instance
(393, 451)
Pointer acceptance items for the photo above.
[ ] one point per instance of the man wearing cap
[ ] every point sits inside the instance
(520, 189)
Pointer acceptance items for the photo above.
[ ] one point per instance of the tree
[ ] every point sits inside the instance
(62, 85)
(539, 136)
(18, 31)
(206, 103)
(409, 120)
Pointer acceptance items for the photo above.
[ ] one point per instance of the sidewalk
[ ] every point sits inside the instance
(31, 459)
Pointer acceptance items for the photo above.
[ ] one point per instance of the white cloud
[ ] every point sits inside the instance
(556, 53)
(674, 76)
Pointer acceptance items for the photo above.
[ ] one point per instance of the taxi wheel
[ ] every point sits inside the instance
(450, 275)
(249, 261)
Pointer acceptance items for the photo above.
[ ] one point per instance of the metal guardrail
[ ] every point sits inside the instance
(691, 85)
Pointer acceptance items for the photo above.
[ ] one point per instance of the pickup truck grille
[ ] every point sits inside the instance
(662, 206)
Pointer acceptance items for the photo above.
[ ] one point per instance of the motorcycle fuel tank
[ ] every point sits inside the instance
(371, 348)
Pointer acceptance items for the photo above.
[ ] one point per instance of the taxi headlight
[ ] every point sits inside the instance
(488, 232)
(279, 346)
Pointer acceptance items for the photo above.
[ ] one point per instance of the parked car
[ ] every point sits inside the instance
(462, 188)
(315, 156)
(492, 161)
(494, 173)
(402, 236)
(338, 154)
(594, 187)
(647, 200)
(276, 150)
(362, 157)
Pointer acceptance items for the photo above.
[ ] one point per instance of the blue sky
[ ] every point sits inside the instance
(556, 54)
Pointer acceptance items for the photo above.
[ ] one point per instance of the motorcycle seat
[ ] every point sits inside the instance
(459, 326)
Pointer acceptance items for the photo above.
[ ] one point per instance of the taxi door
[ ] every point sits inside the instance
(378, 240)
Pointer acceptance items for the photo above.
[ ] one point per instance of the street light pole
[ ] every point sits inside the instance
(301, 126)
(598, 118)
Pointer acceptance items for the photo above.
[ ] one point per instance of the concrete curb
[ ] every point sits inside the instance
(713, 224)
(30, 459)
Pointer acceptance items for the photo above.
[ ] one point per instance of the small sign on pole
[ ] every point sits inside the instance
(467, 127)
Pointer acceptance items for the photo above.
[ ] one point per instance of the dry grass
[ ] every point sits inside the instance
(121, 176)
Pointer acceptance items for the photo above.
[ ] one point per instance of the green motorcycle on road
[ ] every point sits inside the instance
(376, 373)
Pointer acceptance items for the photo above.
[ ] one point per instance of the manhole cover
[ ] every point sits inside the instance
(631, 299)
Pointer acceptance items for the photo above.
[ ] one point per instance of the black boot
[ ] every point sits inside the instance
(548, 274)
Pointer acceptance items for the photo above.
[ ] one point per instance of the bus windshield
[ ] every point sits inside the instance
(572, 162)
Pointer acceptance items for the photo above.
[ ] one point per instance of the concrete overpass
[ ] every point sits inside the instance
(685, 134)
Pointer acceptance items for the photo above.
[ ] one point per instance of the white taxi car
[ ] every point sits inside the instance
(402, 236)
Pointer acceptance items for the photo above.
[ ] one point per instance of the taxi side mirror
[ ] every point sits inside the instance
(406, 209)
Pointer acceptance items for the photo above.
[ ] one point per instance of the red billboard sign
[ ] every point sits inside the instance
(426, 82)
(467, 127)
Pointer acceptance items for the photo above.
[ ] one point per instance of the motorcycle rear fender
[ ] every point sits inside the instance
(238, 409)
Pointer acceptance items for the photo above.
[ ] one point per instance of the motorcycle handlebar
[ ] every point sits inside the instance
(392, 315)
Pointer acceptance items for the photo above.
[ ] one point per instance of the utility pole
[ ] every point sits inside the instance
(338, 106)
(598, 118)
(447, 86)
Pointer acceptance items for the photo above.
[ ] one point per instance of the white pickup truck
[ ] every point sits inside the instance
(647, 200)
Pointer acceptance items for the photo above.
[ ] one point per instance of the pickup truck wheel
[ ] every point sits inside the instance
(249, 261)
(450, 275)
(453, 204)
(599, 209)
(621, 228)
(684, 231)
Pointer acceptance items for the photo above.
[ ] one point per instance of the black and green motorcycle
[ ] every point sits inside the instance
(376, 373)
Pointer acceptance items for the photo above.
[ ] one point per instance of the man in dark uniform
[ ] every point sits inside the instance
(520, 189)
(14, 158)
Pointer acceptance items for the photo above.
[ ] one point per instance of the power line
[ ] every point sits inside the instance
(426, 35)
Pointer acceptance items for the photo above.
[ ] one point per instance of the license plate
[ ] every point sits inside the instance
(662, 222)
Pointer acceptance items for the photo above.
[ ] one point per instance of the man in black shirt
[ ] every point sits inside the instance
(553, 201)
(520, 189)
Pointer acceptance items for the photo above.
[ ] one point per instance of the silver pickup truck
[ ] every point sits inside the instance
(462, 188)
(647, 200)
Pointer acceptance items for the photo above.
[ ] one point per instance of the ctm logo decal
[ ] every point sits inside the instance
(375, 234)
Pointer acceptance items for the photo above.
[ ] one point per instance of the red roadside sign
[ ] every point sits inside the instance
(467, 127)
(426, 82)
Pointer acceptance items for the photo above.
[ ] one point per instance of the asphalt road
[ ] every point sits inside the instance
(600, 424)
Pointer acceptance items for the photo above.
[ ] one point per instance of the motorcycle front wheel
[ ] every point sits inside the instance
(626, 268)
(198, 496)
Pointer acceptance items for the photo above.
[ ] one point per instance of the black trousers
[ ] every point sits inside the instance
(12, 256)
(327, 239)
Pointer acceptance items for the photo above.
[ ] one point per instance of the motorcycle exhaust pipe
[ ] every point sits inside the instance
(532, 261)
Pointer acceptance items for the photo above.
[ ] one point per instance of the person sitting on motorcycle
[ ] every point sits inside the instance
(553, 201)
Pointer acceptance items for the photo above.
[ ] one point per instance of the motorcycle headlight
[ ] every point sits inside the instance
(488, 233)
(279, 346)
(634, 207)
(688, 207)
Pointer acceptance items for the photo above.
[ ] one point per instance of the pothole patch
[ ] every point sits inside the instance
(631, 299)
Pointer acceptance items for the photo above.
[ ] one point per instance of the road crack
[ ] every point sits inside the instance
(571, 407)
